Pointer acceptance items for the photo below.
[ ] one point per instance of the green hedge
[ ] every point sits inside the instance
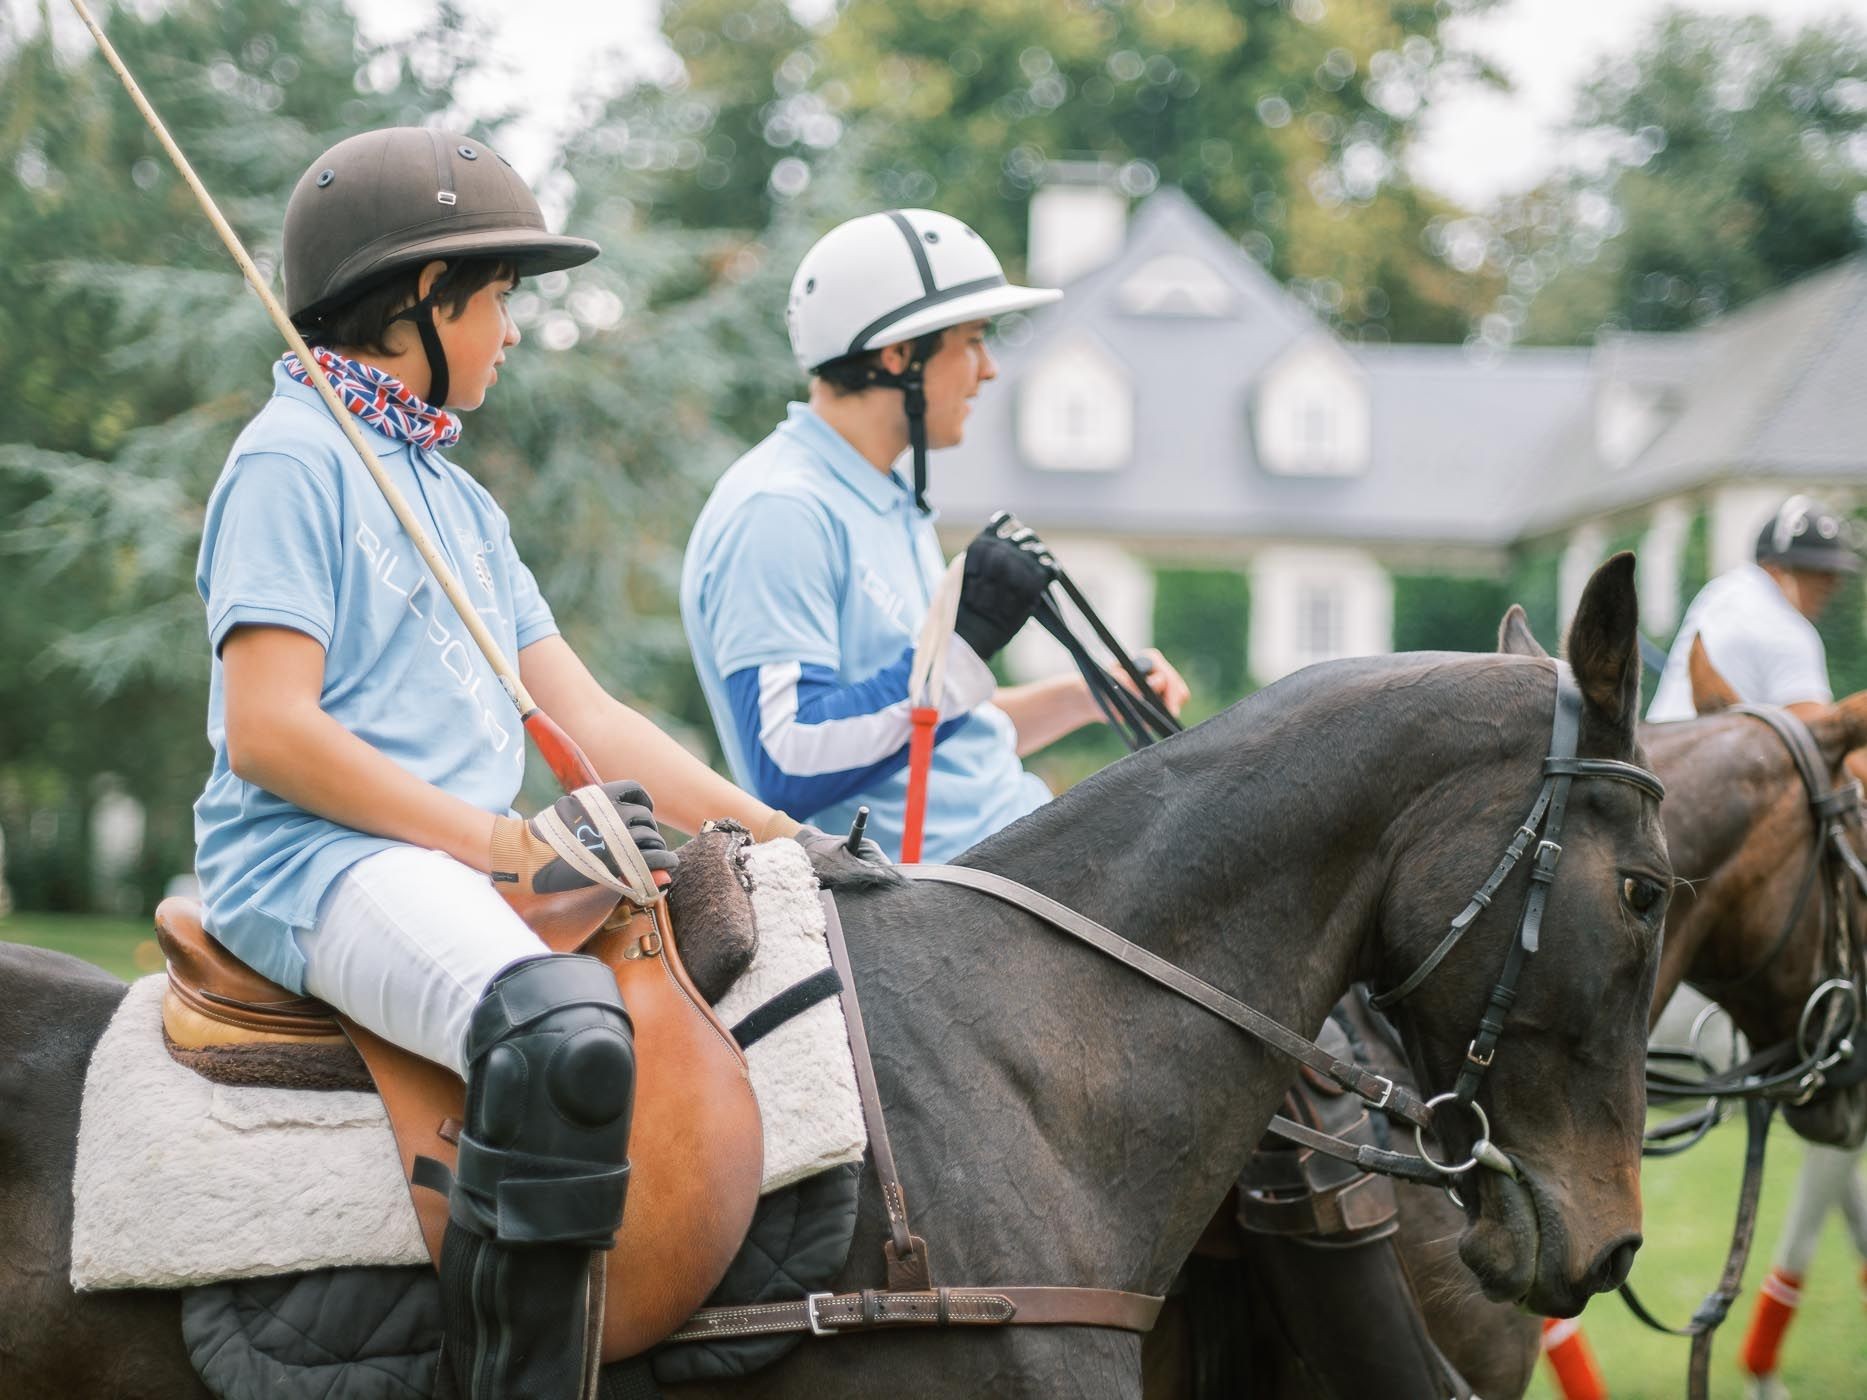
(1435, 612)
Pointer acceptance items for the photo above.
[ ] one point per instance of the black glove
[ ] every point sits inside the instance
(523, 857)
(837, 866)
(1006, 575)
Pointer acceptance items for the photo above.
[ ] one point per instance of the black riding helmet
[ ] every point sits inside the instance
(383, 201)
(1805, 534)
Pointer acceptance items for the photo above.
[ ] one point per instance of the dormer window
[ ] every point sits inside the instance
(1076, 411)
(1175, 284)
(1628, 418)
(1311, 415)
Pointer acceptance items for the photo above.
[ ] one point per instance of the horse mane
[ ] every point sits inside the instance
(1405, 683)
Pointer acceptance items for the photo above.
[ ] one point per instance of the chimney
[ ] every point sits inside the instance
(1079, 218)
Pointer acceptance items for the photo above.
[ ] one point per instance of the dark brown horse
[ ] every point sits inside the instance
(1740, 833)
(1058, 1121)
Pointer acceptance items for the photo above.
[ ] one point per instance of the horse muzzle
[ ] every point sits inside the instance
(1520, 1250)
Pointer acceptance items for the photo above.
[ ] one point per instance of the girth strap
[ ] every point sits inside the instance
(907, 1255)
(1394, 1099)
(904, 1303)
(829, 1314)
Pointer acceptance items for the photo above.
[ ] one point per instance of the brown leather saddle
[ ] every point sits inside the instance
(696, 1149)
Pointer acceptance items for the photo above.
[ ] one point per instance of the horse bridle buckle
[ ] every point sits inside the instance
(1543, 863)
(1475, 1059)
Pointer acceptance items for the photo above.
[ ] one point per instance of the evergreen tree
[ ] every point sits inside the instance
(131, 352)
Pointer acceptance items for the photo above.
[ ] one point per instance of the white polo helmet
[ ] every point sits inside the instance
(892, 277)
(885, 278)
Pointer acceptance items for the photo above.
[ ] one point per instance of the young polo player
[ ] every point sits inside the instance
(812, 567)
(1756, 625)
(365, 761)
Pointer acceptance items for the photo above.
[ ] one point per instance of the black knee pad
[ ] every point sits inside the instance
(550, 1088)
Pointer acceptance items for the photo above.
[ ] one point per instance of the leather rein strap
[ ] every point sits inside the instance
(1711, 1313)
(1380, 1091)
(911, 1299)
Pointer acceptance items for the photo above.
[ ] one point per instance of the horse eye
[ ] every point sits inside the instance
(1639, 895)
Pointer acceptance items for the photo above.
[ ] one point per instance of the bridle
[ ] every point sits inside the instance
(1543, 826)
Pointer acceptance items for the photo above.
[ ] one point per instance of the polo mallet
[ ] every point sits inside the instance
(567, 761)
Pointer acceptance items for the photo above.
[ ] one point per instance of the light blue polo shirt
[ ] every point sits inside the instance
(808, 562)
(298, 535)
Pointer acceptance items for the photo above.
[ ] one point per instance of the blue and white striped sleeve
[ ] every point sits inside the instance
(812, 741)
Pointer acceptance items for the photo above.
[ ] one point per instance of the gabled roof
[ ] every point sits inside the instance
(1448, 460)
(1775, 389)
(1467, 449)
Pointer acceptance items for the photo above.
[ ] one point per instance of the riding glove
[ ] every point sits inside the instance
(1005, 577)
(523, 855)
(829, 855)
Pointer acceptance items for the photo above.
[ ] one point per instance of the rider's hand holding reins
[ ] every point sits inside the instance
(554, 851)
(829, 855)
(1005, 577)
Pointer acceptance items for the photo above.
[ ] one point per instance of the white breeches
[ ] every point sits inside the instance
(405, 944)
(1828, 1180)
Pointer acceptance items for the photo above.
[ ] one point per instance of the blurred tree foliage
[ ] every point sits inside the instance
(133, 354)
(115, 423)
(1285, 121)
(1733, 159)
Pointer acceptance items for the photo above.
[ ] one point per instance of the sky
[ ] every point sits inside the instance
(1475, 145)
(1481, 144)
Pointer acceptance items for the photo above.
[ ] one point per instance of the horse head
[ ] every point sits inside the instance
(1748, 936)
(1565, 1096)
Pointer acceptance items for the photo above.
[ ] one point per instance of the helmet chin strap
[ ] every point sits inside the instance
(913, 399)
(421, 314)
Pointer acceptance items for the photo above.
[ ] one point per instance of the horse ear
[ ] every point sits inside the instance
(1711, 692)
(1514, 635)
(1604, 647)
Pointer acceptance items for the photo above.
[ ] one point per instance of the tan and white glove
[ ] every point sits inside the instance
(595, 836)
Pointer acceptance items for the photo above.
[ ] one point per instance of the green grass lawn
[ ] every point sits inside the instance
(126, 947)
(1689, 1205)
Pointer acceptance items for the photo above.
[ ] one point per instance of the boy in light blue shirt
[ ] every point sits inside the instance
(356, 833)
(813, 565)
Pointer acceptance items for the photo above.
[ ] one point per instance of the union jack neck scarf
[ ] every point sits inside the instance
(381, 400)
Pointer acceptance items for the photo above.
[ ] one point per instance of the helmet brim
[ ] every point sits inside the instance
(981, 305)
(530, 251)
(1816, 561)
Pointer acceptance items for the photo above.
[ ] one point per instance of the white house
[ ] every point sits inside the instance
(1178, 407)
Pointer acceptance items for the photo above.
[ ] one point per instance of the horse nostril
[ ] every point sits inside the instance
(1616, 1262)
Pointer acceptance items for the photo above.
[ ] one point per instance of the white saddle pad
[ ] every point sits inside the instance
(182, 1182)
